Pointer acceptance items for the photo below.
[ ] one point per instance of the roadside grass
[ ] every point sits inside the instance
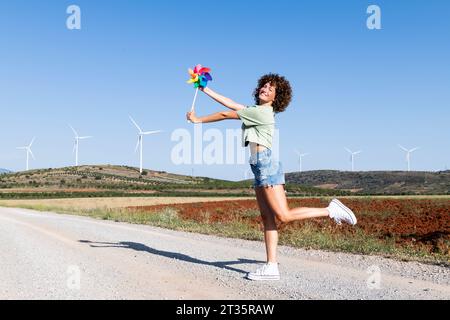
(109, 202)
(308, 236)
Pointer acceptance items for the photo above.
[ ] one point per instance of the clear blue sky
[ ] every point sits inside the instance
(354, 87)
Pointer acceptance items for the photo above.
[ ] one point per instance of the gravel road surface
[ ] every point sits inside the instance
(54, 256)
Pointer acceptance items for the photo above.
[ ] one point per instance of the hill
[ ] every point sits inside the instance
(110, 180)
(116, 181)
(4, 171)
(376, 182)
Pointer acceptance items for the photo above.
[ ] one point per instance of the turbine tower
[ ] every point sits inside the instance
(29, 152)
(300, 158)
(352, 157)
(140, 140)
(77, 143)
(408, 155)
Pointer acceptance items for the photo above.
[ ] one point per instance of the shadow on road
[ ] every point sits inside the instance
(173, 255)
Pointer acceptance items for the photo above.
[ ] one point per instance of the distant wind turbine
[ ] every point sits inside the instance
(77, 143)
(140, 140)
(300, 158)
(408, 155)
(29, 152)
(352, 157)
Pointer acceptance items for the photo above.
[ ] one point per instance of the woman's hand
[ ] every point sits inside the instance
(191, 117)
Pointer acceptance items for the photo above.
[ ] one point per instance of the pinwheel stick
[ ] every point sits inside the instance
(195, 99)
(193, 102)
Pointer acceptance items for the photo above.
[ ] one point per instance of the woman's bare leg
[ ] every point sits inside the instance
(275, 199)
(270, 227)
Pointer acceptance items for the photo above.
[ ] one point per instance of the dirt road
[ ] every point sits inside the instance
(53, 256)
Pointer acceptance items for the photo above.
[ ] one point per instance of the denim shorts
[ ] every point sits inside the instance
(267, 172)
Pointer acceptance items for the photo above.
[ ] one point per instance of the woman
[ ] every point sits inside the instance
(272, 95)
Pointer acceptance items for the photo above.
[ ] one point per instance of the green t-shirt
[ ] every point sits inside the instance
(258, 125)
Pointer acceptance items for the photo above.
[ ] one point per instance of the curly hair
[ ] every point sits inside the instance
(283, 91)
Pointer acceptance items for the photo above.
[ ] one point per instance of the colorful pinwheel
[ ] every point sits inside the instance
(199, 77)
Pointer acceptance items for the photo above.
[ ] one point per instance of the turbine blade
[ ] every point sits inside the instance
(357, 152)
(403, 148)
(137, 145)
(34, 138)
(134, 122)
(412, 150)
(151, 132)
(76, 134)
(348, 150)
(82, 138)
(31, 152)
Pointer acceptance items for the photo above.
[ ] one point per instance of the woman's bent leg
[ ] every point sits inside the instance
(275, 199)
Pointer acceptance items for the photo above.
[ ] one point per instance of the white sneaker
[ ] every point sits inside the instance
(266, 272)
(340, 213)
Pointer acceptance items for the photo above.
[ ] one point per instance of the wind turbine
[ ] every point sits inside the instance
(408, 155)
(28, 149)
(77, 143)
(300, 158)
(140, 139)
(352, 157)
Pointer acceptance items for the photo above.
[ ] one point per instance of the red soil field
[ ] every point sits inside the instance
(417, 222)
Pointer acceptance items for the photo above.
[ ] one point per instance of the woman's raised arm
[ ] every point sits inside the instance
(227, 102)
(219, 116)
